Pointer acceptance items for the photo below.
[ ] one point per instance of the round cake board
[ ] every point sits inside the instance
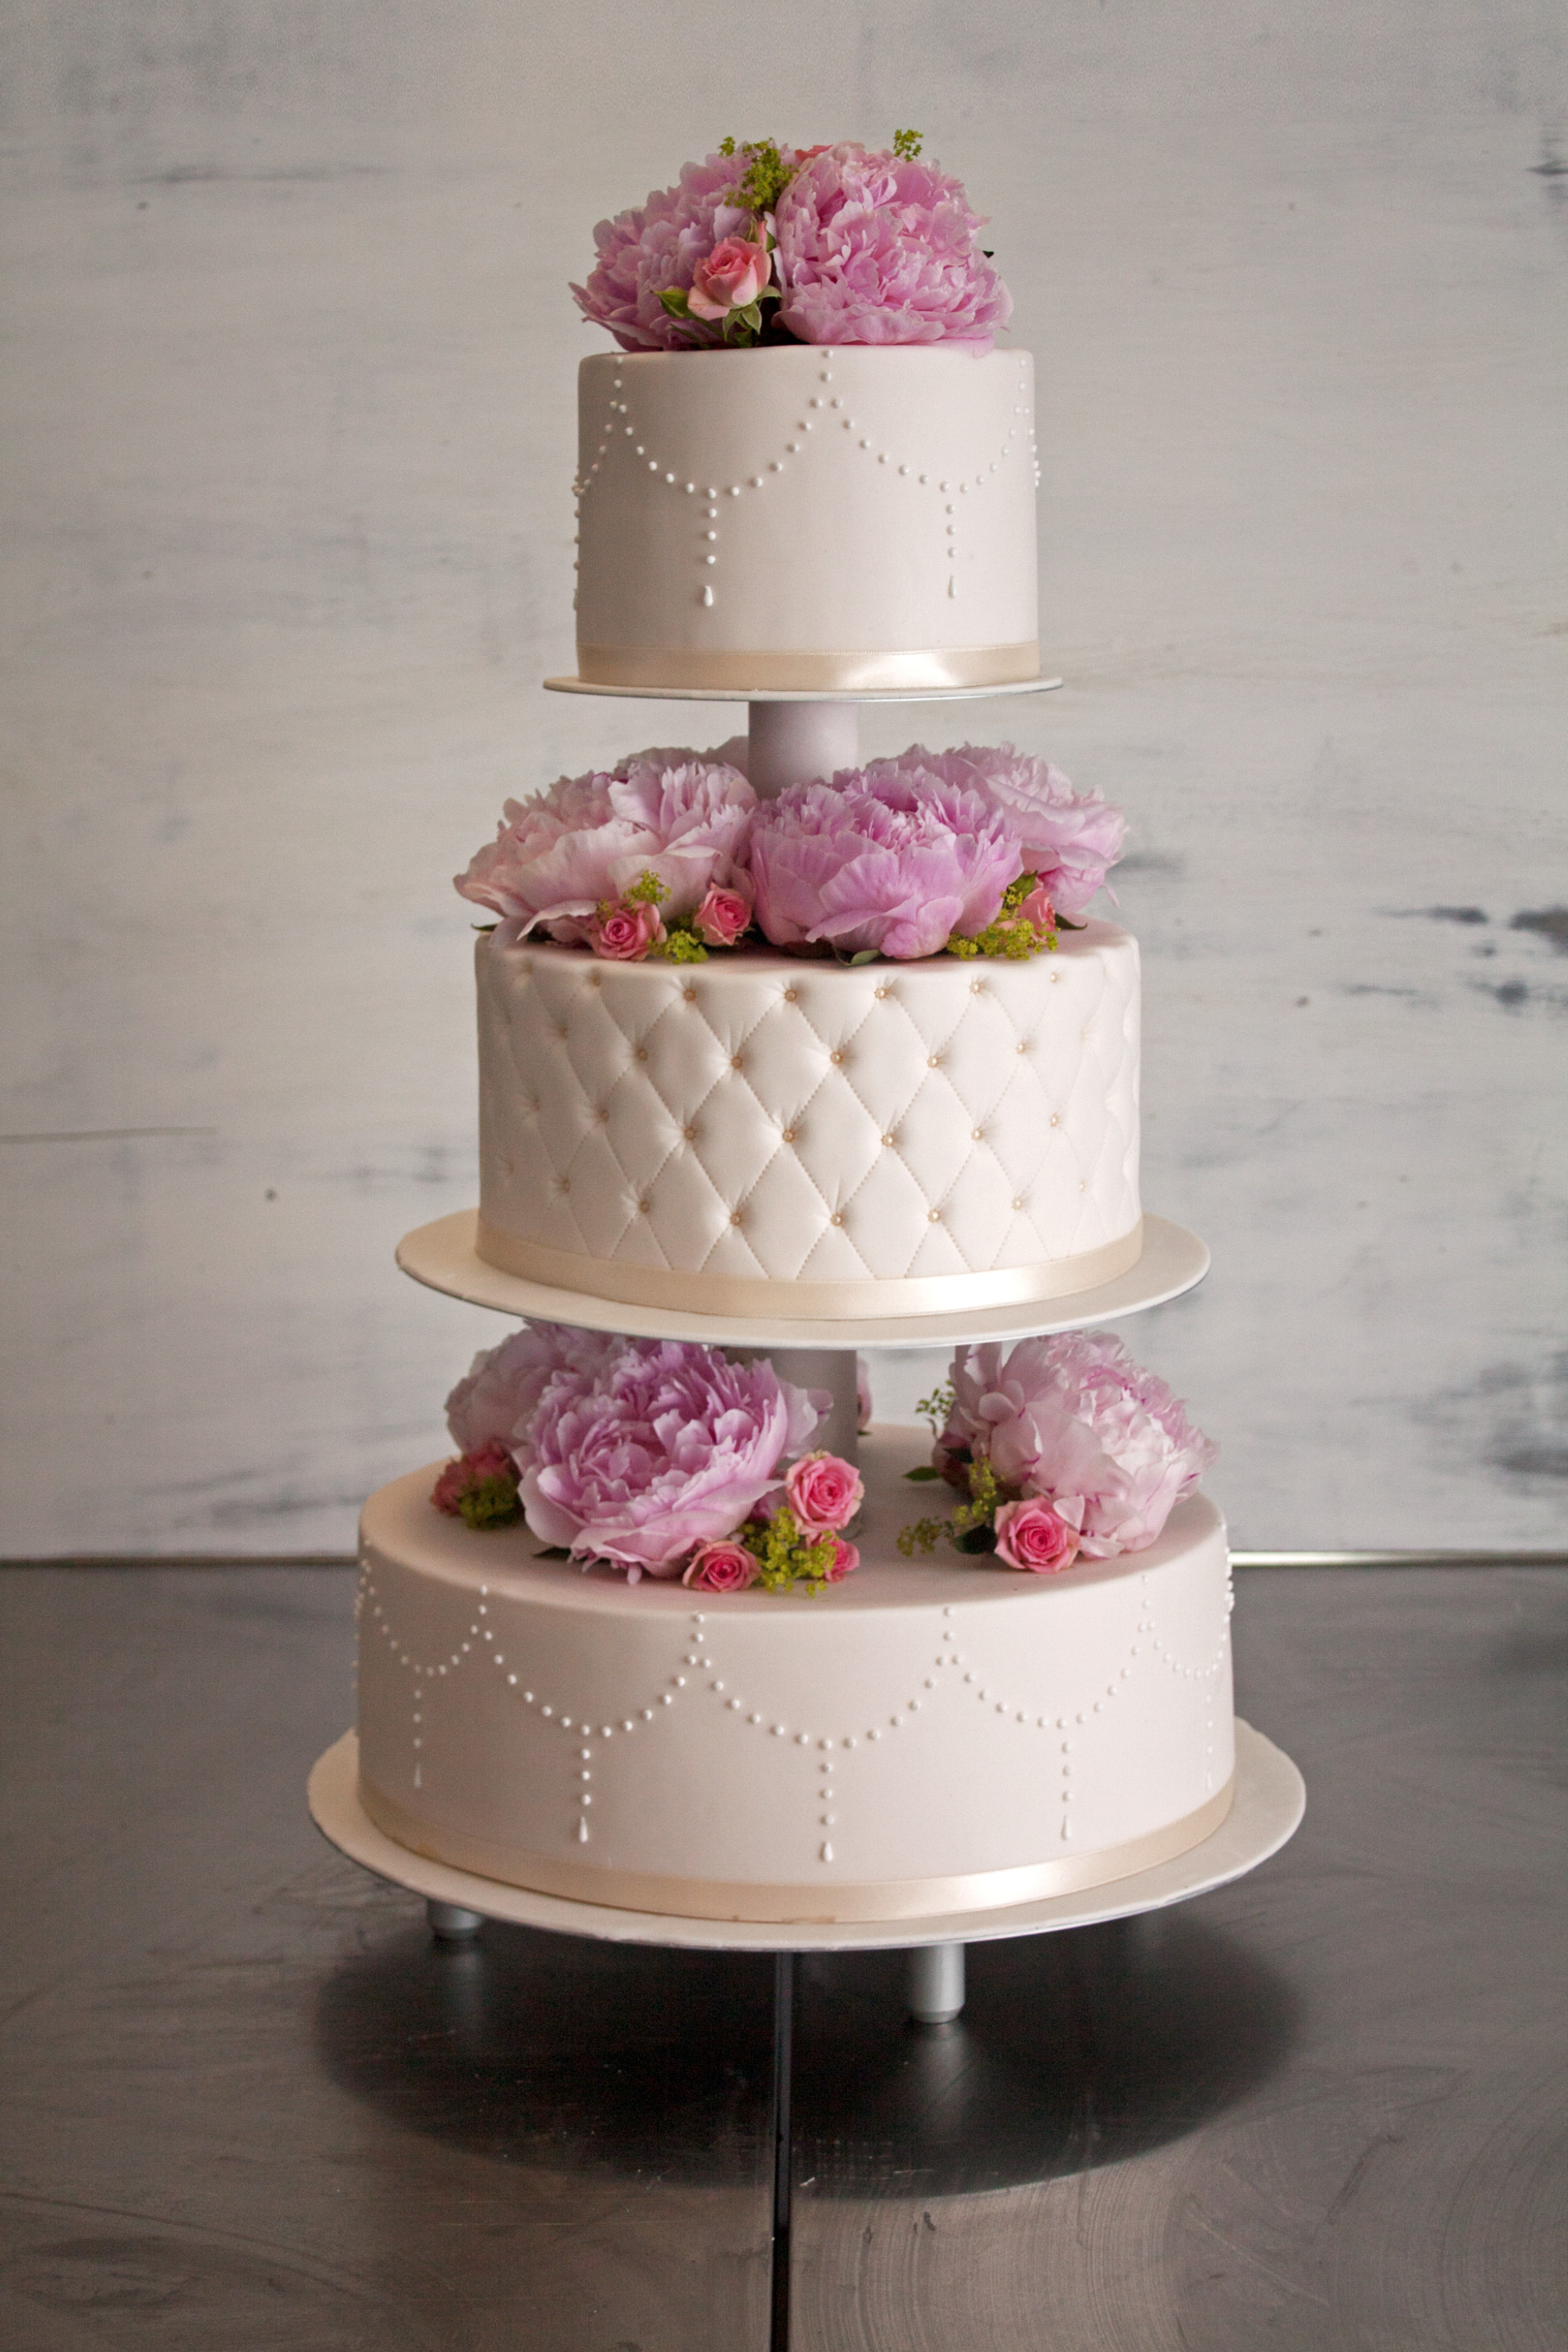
(442, 1255)
(1268, 1805)
(802, 694)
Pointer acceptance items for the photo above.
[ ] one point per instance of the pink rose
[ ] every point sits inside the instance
(488, 1461)
(1038, 910)
(824, 1493)
(1032, 1536)
(845, 1560)
(721, 1568)
(733, 275)
(723, 916)
(624, 934)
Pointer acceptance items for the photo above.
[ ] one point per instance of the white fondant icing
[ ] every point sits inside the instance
(848, 535)
(769, 1118)
(911, 1700)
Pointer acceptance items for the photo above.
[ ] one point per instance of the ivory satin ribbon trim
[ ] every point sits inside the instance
(837, 1302)
(847, 673)
(810, 1301)
(705, 1898)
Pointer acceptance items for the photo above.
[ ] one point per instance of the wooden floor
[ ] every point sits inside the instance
(249, 2104)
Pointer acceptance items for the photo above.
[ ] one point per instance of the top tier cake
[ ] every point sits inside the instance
(807, 519)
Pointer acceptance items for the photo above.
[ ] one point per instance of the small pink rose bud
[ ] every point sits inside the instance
(1038, 910)
(845, 1560)
(721, 1568)
(824, 1493)
(1032, 1537)
(734, 274)
(723, 915)
(624, 934)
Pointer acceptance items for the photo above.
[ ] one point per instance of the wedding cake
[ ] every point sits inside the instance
(854, 1048)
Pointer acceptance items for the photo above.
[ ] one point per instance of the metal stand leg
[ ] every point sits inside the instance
(784, 2152)
(936, 1983)
(450, 1924)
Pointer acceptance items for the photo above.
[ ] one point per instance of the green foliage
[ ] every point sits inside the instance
(677, 301)
(937, 1408)
(923, 1537)
(491, 1503)
(907, 145)
(922, 1475)
(1007, 937)
(765, 177)
(785, 1557)
(682, 945)
(647, 890)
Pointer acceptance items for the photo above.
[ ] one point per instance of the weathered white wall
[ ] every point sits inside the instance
(287, 390)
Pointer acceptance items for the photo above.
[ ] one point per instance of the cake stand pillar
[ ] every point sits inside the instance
(783, 2145)
(794, 742)
(936, 1983)
(832, 1368)
(450, 1922)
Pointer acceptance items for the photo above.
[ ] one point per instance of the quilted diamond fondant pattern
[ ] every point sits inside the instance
(773, 1118)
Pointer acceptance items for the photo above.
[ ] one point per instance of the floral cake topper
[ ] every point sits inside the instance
(976, 852)
(762, 242)
(659, 1458)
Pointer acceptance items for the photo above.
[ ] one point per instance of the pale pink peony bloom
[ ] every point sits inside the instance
(1069, 839)
(721, 1568)
(624, 934)
(733, 275)
(1033, 1536)
(588, 838)
(666, 1446)
(824, 1492)
(491, 1460)
(1075, 1420)
(844, 1561)
(874, 248)
(494, 1400)
(893, 862)
(724, 914)
(661, 244)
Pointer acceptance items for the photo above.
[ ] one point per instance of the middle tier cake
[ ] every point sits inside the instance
(890, 1138)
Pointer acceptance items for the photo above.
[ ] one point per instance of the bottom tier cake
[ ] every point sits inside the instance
(930, 1735)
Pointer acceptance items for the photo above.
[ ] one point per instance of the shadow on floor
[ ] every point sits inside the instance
(1076, 2049)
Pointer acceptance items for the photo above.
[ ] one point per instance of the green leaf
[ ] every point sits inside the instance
(977, 1539)
(674, 299)
(923, 1475)
(554, 1551)
(867, 955)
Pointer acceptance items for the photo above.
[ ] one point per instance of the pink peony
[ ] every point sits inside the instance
(588, 838)
(1069, 839)
(494, 1402)
(733, 275)
(721, 1568)
(824, 1493)
(845, 1560)
(1075, 1420)
(624, 934)
(661, 244)
(875, 248)
(1032, 1536)
(724, 914)
(667, 1445)
(894, 863)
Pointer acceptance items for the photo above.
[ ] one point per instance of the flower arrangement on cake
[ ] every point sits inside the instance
(1065, 1449)
(974, 852)
(762, 242)
(660, 1458)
